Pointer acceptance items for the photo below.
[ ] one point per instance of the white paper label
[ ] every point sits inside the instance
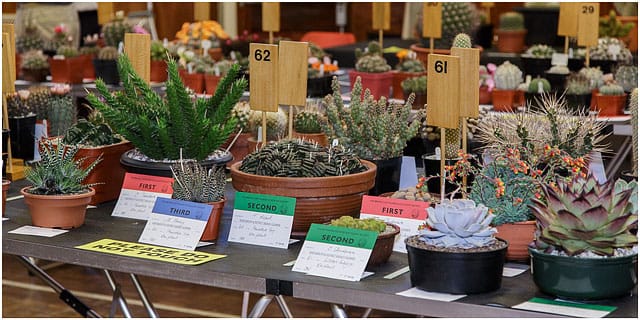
(38, 231)
(139, 194)
(262, 229)
(332, 261)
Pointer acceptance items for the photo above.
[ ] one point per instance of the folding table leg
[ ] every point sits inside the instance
(117, 294)
(65, 295)
(338, 312)
(260, 306)
(143, 296)
(283, 306)
(245, 304)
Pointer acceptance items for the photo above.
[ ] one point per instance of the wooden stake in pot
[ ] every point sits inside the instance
(263, 62)
(271, 18)
(432, 22)
(8, 85)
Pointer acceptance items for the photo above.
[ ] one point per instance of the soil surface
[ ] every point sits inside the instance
(415, 242)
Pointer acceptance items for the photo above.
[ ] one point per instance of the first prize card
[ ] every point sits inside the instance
(408, 215)
(139, 193)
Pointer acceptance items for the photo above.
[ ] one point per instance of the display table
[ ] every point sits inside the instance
(260, 270)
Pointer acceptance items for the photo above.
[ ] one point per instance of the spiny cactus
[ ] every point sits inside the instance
(457, 17)
(307, 121)
(298, 158)
(108, 53)
(633, 108)
(91, 132)
(507, 76)
(242, 112)
(158, 51)
(541, 51)
(31, 39)
(578, 83)
(411, 65)
(34, 60)
(452, 135)
(113, 32)
(372, 60)
(38, 100)
(603, 51)
(594, 75)
(89, 50)
(192, 182)
(61, 114)
(511, 21)
(416, 85)
(539, 85)
(611, 89)
(370, 224)
(627, 77)
(610, 26)
(276, 124)
(17, 105)
(462, 40)
(67, 51)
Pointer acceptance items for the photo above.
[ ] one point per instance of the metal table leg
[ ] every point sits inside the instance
(245, 304)
(117, 294)
(283, 306)
(263, 303)
(143, 296)
(338, 312)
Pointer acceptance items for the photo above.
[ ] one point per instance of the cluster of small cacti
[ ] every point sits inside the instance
(610, 26)
(560, 69)
(539, 85)
(91, 132)
(411, 65)
(541, 51)
(276, 124)
(242, 112)
(511, 21)
(611, 89)
(370, 224)
(34, 60)
(158, 51)
(30, 40)
(39, 100)
(507, 76)
(17, 105)
(416, 85)
(594, 76)
(299, 158)
(61, 113)
(627, 77)
(113, 31)
(578, 84)
(108, 53)
(60, 38)
(371, 60)
(633, 109)
(67, 51)
(200, 63)
(192, 182)
(603, 51)
(308, 121)
(457, 17)
(413, 194)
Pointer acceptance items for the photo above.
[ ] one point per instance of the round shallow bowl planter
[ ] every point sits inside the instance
(212, 228)
(384, 246)
(320, 138)
(511, 41)
(584, 278)
(163, 169)
(318, 200)
(519, 235)
(610, 105)
(455, 272)
(5, 188)
(378, 83)
(57, 211)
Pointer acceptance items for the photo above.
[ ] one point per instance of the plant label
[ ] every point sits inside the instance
(560, 59)
(11, 46)
(201, 11)
(335, 252)
(588, 22)
(292, 71)
(443, 91)
(105, 12)
(137, 47)
(139, 194)
(270, 17)
(408, 215)
(432, 20)
(263, 62)
(262, 220)
(469, 79)
(568, 19)
(381, 16)
(567, 308)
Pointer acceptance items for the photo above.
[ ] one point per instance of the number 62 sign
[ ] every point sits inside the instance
(263, 62)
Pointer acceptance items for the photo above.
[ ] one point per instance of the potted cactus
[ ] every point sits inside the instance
(22, 122)
(511, 32)
(327, 182)
(114, 30)
(35, 66)
(578, 92)
(276, 128)
(507, 79)
(584, 234)
(455, 247)
(65, 65)
(57, 197)
(537, 59)
(373, 70)
(192, 182)
(165, 129)
(31, 39)
(627, 77)
(611, 100)
(409, 67)
(106, 65)
(89, 50)
(608, 53)
(61, 111)
(374, 129)
(214, 73)
(633, 109)
(240, 138)
(159, 56)
(307, 125)
(387, 233)
(417, 86)
(596, 80)
(535, 89)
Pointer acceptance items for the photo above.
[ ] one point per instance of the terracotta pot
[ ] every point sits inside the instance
(592, 104)
(632, 38)
(67, 70)
(378, 83)
(57, 211)
(318, 200)
(158, 71)
(108, 172)
(212, 229)
(511, 41)
(610, 105)
(503, 100)
(519, 235)
(422, 53)
(88, 70)
(320, 138)
(398, 77)
(419, 102)
(484, 95)
(195, 81)
(384, 247)
(239, 149)
(211, 83)
(215, 53)
(5, 188)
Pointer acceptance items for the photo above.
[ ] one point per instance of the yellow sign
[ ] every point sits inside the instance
(146, 251)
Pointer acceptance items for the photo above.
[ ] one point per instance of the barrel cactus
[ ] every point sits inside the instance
(508, 76)
(511, 21)
(108, 53)
(307, 121)
(411, 65)
(113, 32)
(457, 17)
(594, 75)
(539, 85)
(416, 85)
(462, 40)
(67, 51)
(627, 77)
(34, 60)
(276, 124)
(38, 100)
(17, 105)
(611, 89)
(242, 112)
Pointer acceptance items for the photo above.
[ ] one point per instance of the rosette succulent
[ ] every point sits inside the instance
(459, 223)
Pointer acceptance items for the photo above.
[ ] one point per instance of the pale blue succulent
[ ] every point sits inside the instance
(459, 223)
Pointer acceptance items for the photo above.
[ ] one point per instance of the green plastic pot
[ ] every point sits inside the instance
(584, 278)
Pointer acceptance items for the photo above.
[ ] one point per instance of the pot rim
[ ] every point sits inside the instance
(406, 240)
(533, 251)
(26, 194)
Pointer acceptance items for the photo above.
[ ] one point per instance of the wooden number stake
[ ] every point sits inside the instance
(381, 18)
(201, 11)
(263, 63)
(588, 15)
(9, 28)
(8, 87)
(292, 73)
(432, 22)
(568, 22)
(271, 18)
(105, 12)
(443, 99)
(137, 49)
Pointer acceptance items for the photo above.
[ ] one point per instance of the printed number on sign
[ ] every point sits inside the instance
(441, 66)
(262, 55)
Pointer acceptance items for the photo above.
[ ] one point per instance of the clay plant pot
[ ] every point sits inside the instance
(35, 75)
(320, 138)
(212, 228)
(610, 105)
(215, 54)
(422, 53)
(69, 70)
(57, 211)
(519, 235)
(418, 102)
(484, 96)
(88, 71)
(211, 83)
(158, 71)
(503, 100)
(318, 200)
(378, 83)
(195, 81)
(384, 247)
(398, 77)
(5, 188)
(107, 70)
(108, 173)
(511, 41)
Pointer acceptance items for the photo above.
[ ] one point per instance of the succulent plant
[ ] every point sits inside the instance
(220, 68)
(61, 113)
(512, 21)
(627, 77)
(611, 89)
(30, 39)
(242, 112)
(193, 182)
(462, 40)
(17, 105)
(539, 85)
(114, 30)
(411, 65)
(457, 17)
(89, 50)
(594, 75)
(158, 51)
(583, 215)
(603, 51)
(416, 85)
(108, 53)
(458, 223)
(308, 121)
(541, 51)
(577, 83)
(560, 69)
(508, 76)
(57, 172)
(633, 109)
(91, 132)
(34, 60)
(372, 129)
(609, 26)
(38, 100)
(276, 124)
(370, 224)
(299, 158)
(371, 60)
(67, 51)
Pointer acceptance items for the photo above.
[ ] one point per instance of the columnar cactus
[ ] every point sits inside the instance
(611, 89)
(627, 77)
(539, 85)
(61, 113)
(114, 30)
(511, 21)
(38, 100)
(507, 76)
(633, 108)
(594, 75)
(108, 53)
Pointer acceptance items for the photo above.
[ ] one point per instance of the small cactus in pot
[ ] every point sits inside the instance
(307, 121)
(627, 77)
(61, 113)
(35, 66)
(115, 29)
(373, 70)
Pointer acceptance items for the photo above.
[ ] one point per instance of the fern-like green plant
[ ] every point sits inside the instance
(161, 127)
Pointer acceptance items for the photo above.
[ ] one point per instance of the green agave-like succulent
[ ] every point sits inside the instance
(583, 215)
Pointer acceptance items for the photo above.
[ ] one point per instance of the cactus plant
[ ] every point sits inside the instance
(30, 39)
(511, 21)
(416, 85)
(457, 17)
(34, 60)
(507, 76)
(308, 121)
(594, 76)
(371, 224)
(108, 53)
(242, 112)
(67, 51)
(609, 26)
(539, 85)
(461, 40)
(611, 89)
(627, 77)
(577, 83)
(38, 100)
(17, 105)
(276, 124)
(61, 113)
(541, 51)
(371, 60)
(633, 108)
(158, 51)
(411, 65)
(192, 182)
(603, 51)
(113, 31)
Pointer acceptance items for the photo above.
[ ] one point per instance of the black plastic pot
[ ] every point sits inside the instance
(579, 102)
(107, 70)
(455, 272)
(556, 80)
(320, 86)
(431, 165)
(387, 176)
(542, 25)
(533, 100)
(607, 66)
(535, 66)
(23, 131)
(484, 36)
(162, 169)
(575, 64)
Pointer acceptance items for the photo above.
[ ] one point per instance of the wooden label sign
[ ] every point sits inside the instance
(271, 16)
(568, 19)
(8, 83)
(105, 12)
(11, 44)
(432, 20)
(381, 16)
(469, 79)
(263, 63)
(588, 22)
(292, 73)
(201, 11)
(137, 47)
(443, 91)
